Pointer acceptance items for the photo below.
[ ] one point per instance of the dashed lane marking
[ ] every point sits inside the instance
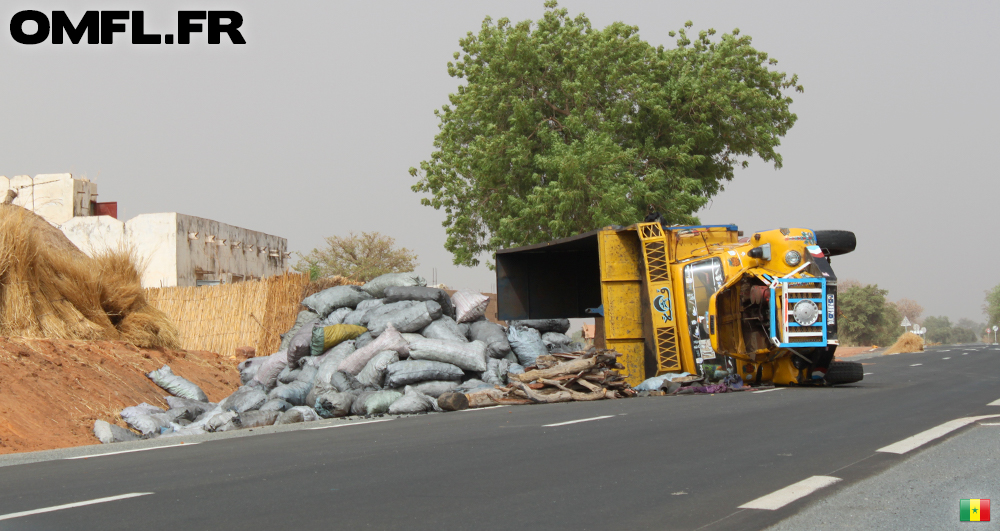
(769, 390)
(916, 365)
(350, 424)
(867, 373)
(994, 403)
(72, 505)
(131, 451)
(783, 497)
(948, 358)
(575, 421)
(482, 408)
(924, 437)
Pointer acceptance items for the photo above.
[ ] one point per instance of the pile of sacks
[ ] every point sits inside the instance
(391, 346)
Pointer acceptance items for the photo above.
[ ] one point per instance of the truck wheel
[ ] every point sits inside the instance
(836, 241)
(844, 372)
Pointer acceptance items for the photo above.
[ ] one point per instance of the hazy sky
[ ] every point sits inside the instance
(308, 129)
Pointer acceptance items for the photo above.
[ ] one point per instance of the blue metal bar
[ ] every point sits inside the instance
(727, 227)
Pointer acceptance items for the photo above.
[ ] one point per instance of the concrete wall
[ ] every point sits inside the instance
(214, 251)
(57, 197)
(180, 250)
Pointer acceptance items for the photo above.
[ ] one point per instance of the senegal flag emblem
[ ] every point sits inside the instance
(974, 511)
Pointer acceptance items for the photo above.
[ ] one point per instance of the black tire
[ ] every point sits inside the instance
(836, 242)
(844, 372)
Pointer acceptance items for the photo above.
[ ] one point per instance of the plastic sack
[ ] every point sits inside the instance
(411, 337)
(287, 376)
(256, 419)
(336, 317)
(297, 414)
(493, 335)
(275, 404)
(403, 373)
(364, 311)
(472, 385)
(380, 401)
(328, 300)
(327, 337)
(334, 404)
(293, 393)
(148, 424)
(526, 344)
(109, 433)
(409, 319)
(267, 375)
(141, 409)
(376, 286)
(496, 372)
(544, 325)
(421, 293)
(331, 361)
(552, 339)
(434, 388)
(412, 402)
(656, 382)
(246, 398)
(220, 421)
(301, 345)
(304, 318)
(466, 329)
(358, 407)
(374, 372)
(444, 328)
(363, 340)
(469, 305)
(388, 340)
(345, 382)
(467, 356)
(515, 368)
(179, 414)
(385, 309)
(248, 368)
(196, 406)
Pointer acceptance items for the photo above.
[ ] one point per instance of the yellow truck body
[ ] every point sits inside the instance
(690, 299)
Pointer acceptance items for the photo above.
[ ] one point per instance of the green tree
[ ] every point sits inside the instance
(359, 257)
(992, 306)
(866, 317)
(561, 128)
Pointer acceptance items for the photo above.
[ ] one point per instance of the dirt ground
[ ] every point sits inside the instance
(52, 391)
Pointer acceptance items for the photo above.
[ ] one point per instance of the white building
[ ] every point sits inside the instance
(177, 249)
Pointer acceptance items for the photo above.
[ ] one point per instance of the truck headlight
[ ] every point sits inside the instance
(805, 312)
(792, 258)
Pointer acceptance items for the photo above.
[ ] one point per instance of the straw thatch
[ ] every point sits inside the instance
(908, 342)
(51, 289)
(224, 317)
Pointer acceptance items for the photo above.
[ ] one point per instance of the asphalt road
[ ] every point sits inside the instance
(686, 462)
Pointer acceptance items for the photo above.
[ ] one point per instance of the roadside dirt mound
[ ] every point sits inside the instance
(908, 342)
(52, 391)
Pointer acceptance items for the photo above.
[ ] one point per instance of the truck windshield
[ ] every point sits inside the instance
(701, 280)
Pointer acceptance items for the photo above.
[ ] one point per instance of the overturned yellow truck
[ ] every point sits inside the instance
(696, 299)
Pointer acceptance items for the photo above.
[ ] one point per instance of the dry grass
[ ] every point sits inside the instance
(908, 342)
(225, 317)
(50, 289)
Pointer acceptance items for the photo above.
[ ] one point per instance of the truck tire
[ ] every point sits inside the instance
(836, 242)
(844, 372)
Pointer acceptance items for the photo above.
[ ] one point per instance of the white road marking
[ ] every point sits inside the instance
(989, 423)
(72, 505)
(769, 390)
(946, 350)
(916, 365)
(994, 403)
(965, 353)
(867, 373)
(350, 424)
(575, 421)
(783, 497)
(924, 437)
(130, 451)
(482, 408)
(946, 358)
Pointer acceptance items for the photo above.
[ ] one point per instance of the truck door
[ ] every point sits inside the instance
(701, 280)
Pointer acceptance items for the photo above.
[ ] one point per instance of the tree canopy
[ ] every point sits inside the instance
(560, 128)
(992, 306)
(865, 317)
(358, 257)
